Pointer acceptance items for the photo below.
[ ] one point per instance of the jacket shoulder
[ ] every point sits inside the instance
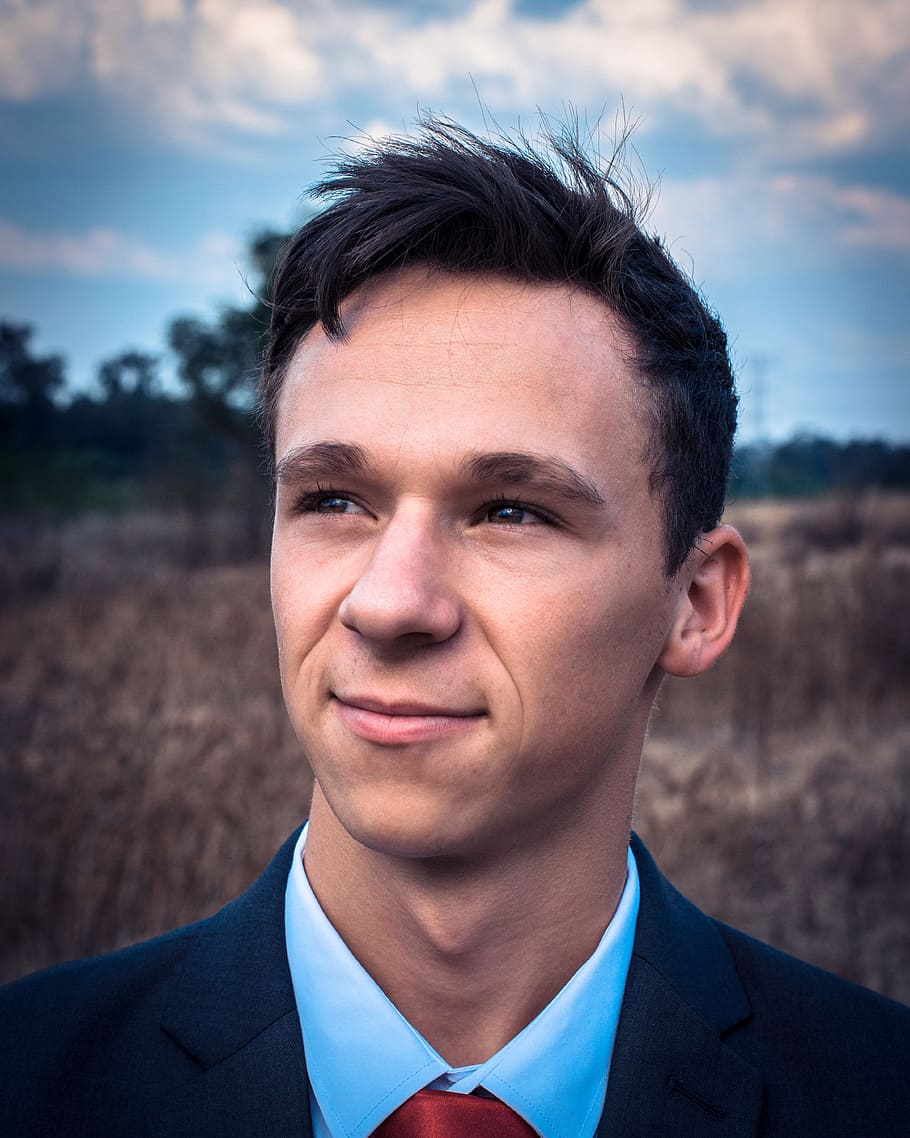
(778, 983)
(92, 1046)
(819, 1039)
(83, 1032)
(830, 1058)
(65, 993)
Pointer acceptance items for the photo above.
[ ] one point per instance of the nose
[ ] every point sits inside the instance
(404, 588)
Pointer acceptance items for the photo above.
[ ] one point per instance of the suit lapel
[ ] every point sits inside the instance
(232, 1024)
(672, 1072)
(260, 1091)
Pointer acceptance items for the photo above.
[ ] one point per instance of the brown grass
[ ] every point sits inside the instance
(148, 771)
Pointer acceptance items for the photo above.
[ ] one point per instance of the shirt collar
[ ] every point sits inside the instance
(364, 1059)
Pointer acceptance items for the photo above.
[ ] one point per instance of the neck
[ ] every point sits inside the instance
(470, 949)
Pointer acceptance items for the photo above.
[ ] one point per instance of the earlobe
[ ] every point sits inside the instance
(713, 585)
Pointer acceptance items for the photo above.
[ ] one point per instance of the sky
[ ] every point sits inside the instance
(143, 143)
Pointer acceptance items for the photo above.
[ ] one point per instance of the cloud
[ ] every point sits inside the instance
(725, 227)
(837, 73)
(109, 253)
(40, 49)
(861, 216)
(213, 63)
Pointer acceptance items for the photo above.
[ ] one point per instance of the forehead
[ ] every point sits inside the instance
(429, 352)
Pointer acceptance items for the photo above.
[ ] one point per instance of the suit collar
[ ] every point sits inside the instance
(686, 949)
(232, 1011)
(672, 1072)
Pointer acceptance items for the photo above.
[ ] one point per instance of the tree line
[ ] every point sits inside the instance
(133, 443)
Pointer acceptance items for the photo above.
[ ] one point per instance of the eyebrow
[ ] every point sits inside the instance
(325, 460)
(542, 472)
(512, 468)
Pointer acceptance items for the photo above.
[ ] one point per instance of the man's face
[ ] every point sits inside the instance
(467, 564)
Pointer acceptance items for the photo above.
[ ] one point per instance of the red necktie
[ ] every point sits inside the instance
(442, 1114)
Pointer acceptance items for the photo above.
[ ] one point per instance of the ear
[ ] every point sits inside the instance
(712, 585)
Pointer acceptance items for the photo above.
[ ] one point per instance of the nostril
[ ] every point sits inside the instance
(400, 610)
(434, 619)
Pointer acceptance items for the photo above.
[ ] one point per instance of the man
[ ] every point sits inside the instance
(501, 422)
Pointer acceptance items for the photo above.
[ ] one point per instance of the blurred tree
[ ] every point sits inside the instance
(131, 371)
(132, 444)
(218, 361)
(218, 365)
(28, 385)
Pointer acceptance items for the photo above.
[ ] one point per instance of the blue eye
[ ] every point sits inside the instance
(324, 500)
(507, 514)
(512, 514)
(333, 504)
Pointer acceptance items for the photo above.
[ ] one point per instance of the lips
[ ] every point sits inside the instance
(397, 722)
(405, 707)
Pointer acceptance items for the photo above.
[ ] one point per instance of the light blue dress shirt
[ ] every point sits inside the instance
(364, 1059)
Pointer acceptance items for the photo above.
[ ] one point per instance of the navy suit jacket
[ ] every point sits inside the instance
(196, 1033)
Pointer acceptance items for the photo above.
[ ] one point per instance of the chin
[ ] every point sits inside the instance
(401, 827)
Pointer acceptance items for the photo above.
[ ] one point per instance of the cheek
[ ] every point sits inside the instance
(301, 612)
(593, 649)
(282, 608)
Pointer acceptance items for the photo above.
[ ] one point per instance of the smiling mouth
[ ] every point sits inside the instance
(400, 722)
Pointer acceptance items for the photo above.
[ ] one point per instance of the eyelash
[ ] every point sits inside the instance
(308, 501)
(501, 502)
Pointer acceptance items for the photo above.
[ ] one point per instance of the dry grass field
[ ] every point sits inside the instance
(147, 771)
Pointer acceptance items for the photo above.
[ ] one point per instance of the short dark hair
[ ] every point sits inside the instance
(447, 199)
